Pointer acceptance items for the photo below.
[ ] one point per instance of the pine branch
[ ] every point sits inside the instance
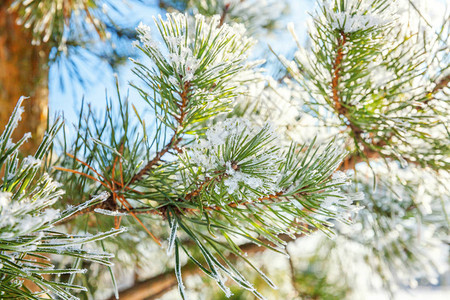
(256, 172)
(367, 152)
(362, 125)
(27, 245)
(155, 287)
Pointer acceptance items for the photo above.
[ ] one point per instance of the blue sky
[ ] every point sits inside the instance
(68, 100)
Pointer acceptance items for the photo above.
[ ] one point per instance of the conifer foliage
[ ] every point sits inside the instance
(202, 173)
(215, 185)
(27, 236)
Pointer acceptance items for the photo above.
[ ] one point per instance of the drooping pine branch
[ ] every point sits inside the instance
(156, 286)
(28, 239)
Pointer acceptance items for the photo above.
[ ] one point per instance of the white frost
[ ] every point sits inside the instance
(355, 17)
(109, 212)
(258, 171)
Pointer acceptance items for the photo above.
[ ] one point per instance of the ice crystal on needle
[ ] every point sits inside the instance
(20, 217)
(227, 148)
(186, 39)
(31, 161)
(356, 17)
(145, 36)
(196, 69)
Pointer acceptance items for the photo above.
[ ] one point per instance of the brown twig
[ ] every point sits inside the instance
(441, 84)
(336, 78)
(268, 197)
(224, 14)
(366, 151)
(337, 66)
(174, 141)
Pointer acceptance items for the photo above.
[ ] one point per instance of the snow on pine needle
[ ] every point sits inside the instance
(198, 59)
(243, 155)
(250, 188)
(27, 222)
(185, 40)
(237, 162)
(21, 217)
(358, 15)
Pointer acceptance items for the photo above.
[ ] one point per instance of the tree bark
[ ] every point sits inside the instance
(23, 72)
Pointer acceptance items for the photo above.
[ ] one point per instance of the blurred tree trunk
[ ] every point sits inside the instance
(23, 72)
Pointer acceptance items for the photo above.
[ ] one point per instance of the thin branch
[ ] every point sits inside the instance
(174, 141)
(235, 204)
(108, 204)
(336, 78)
(111, 205)
(441, 84)
(337, 74)
(224, 14)
(367, 152)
